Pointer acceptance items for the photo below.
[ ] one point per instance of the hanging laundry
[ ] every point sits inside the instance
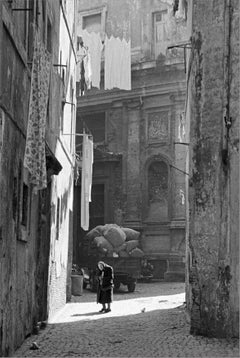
(87, 70)
(81, 53)
(84, 69)
(94, 45)
(86, 181)
(117, 67)
(125, 77)
(34, 158)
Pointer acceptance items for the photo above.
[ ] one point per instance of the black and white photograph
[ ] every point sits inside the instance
(119, 178)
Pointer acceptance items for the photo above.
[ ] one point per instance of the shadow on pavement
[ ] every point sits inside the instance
(87, 314)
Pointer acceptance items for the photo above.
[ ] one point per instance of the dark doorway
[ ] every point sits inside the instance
(96, 208)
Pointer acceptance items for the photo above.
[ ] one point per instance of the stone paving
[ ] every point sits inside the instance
(150, 322)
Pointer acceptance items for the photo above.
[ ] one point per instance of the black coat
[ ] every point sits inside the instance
(105, 288)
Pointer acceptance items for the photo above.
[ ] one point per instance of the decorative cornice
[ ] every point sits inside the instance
(107, 97)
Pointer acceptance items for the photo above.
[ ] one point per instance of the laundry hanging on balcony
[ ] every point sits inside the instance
(34, 158)
(81, 53)
(89, 54)
(117, 66)
(86, 181)
(117, 61)
(94, 44)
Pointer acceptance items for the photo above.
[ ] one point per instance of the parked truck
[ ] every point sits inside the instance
(126, 269)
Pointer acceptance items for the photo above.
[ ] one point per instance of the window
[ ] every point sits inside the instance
(160, 32)
(95, 123)
(15, 199)
(157, 181)
(93, 20)
(158, 192)
(30, 26)
(92, 23)
(43, 20)
(58, 218)
(24, 205)
(72, 112)
(49, 36)
(2, 122)
(21, 18)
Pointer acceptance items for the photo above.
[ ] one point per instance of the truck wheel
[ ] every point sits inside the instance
(93, 284)
(131, 286)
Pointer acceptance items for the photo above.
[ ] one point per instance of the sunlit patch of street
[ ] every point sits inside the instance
(90, 310)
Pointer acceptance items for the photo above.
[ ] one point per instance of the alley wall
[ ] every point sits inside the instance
(213, 116)
(35, 261)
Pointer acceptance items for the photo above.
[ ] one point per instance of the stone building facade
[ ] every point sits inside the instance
(139, 165)
(35, 227)
(212, 119)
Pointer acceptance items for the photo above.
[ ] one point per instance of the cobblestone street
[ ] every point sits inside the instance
(151, 322)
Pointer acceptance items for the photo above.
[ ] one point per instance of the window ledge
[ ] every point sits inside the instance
(143, 65)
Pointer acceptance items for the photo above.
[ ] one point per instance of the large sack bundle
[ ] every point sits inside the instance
(97, 231)
(102, 243)
(111, 254)
(106, 227)
(102, 250)
(130, 245)
(120, 248)
(131, 234)
(136, 252)
(115, 236)
(123, 254)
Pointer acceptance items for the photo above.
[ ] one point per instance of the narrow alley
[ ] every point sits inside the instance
(119, 162)
(151, 322)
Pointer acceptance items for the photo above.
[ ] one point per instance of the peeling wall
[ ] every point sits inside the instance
(133, 19)
(213, 275)
(18, 239)
(60, 261)
(61, 208)
(27, 293)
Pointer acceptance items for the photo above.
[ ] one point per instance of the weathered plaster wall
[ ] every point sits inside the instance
(64, 149)
(234, 167)
(22, 269)
(133, 19)
(18, 308)
(213, 222)
(61, 209)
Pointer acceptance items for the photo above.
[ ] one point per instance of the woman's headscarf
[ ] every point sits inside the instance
(101, 265)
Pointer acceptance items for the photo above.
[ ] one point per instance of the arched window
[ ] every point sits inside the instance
(158, 191)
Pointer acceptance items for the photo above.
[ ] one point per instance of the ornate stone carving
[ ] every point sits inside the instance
(158, 126)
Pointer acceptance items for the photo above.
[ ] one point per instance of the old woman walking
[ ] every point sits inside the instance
(105, 286)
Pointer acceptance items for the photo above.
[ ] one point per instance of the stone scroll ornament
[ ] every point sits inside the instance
(34, 158)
